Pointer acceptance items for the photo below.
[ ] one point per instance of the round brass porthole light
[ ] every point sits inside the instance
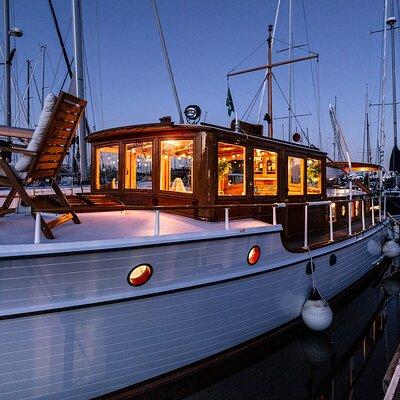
(253, 255)
(140, 274)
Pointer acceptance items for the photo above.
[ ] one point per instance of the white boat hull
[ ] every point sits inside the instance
(72, 328)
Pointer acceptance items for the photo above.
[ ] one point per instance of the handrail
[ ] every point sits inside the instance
(227, 207)
(213, 206)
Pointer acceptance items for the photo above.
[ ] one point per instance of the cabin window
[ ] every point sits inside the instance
(265, 172)
(231, 170)
(107, 167)
(138, 165)
(295, 176)
(176, 172)
(313, 176)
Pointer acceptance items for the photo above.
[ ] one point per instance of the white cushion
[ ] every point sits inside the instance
(24, 161)
(21, 175)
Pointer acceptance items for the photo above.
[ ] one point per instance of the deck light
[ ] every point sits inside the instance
(254, 255)
(192, 114)
(140, 274)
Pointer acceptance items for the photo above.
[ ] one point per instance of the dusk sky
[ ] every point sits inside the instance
(206, 39)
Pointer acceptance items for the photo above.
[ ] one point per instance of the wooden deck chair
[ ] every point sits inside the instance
(43, 157)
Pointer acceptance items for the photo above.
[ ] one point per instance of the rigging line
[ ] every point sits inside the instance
(60, 39)
(66, 76)
(266, 71)
(168, 62)
(88, 80)
(99, 66)
(294, 111)
(14, 83)
(319, 103)
(27, 86)
(251, 105)
(316, 99)
(297, 47)
(379, 108)
(36, 86)
(1, 97)
(61, 55)
(246, 58)
(49, 59)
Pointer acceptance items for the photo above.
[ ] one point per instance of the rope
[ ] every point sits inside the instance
(250, 107)
(314, 283)
(266, 71)
(312, 269)
(28, 85)
(60, 57)
(88, 80)
(294, 113)
(316, 99)
(98, 64)
(246, 58)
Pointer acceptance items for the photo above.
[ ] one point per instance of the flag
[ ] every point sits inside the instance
(229, 102)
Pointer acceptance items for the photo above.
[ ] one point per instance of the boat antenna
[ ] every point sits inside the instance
(167, 61)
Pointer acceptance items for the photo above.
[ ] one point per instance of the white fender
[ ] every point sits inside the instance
(317, 314)
(391, 249)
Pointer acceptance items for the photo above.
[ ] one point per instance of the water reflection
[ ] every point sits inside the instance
(348, 361)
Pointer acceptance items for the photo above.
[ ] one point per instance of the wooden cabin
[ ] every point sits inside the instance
(168, 164)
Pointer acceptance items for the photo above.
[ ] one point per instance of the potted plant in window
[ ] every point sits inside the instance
(224, 168)
(313, 173)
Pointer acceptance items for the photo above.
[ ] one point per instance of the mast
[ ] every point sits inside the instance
(43, 50)
(290, 71)
(79, 82)
(391, 21)
(269, 78)
(7, 64)
(28, 92)
(394, 164)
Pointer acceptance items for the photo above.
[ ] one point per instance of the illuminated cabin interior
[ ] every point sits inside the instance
(168, 164)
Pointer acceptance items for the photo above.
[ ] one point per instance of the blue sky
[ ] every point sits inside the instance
(205, 40)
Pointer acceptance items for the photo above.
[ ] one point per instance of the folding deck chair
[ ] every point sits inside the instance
(43, 157)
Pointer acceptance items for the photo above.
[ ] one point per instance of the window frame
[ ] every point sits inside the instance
(153, 152)
(304, 169)
(278, 171)
(247, 177)
(194, 161)
(321, 177)
(94, 162)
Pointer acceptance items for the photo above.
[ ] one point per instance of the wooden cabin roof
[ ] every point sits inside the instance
(166, 126)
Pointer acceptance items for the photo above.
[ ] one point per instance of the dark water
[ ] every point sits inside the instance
(349, 361)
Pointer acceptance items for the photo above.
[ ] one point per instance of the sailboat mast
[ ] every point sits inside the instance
(79, 82)
(290, 70)
(391, 21)
(43, 50)
(7, 64)
(28, 93)
(269, 78)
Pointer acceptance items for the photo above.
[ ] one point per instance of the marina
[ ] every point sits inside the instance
(141, 258)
